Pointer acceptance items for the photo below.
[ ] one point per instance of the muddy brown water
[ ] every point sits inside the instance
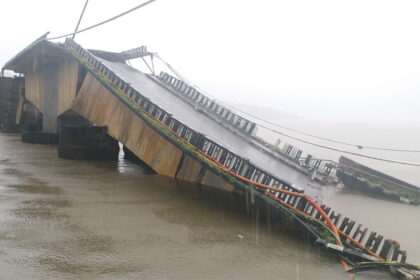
(66, 219)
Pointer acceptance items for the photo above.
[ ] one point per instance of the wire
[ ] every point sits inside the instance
(284, 127)
(319, 137)
(328, 139)
(287, 135)
(80, 19)
(344, 151)
(105, 21)
(323, 138)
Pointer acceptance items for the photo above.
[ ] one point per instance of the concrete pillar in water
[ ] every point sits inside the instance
(9, 102)
(30, 123)
(46, 132)
(87, 142)
(49, 116)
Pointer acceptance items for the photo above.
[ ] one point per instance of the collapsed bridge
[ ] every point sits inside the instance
(181, 133)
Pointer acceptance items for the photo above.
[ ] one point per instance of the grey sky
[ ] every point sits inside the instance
(323, 60)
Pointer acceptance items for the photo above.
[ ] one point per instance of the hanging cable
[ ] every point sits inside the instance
(80, 19)
(103, 22)
(343, 151)
(324, 138)
(328, 139)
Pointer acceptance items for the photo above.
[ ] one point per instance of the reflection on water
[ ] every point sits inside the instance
(107, 220)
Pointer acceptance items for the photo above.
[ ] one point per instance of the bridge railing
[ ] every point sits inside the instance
(233, 161)
(195, 97)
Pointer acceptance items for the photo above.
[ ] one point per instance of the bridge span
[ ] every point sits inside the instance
(65, 82)
(235, 141)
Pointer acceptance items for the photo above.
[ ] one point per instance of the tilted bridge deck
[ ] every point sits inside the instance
(223, 145)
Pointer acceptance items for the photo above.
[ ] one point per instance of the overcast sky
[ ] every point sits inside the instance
(322, 60)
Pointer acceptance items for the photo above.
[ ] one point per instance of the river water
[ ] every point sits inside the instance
(67, 219)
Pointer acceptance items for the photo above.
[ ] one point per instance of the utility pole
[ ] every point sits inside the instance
(80, 19)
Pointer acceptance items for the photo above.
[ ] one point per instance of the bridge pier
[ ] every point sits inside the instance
(86, 141)
(9, 101)
(41, 90)
(31, 123)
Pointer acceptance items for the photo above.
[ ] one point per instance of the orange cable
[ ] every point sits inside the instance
(295, 209)
(346, 268)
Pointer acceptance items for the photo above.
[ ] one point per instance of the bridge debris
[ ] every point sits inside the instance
(357, 176)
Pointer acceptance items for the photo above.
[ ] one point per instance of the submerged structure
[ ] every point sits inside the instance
(87, 101)
(358, 176)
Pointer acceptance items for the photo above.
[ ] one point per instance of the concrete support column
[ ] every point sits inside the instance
(31, 127)
(50, 99)
(87, 142)
(9, 101)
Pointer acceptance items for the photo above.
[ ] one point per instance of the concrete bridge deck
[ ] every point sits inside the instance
(213, 130)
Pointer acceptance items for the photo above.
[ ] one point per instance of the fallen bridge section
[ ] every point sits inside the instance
(357, 176)
(172, 148)
(156, 98)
